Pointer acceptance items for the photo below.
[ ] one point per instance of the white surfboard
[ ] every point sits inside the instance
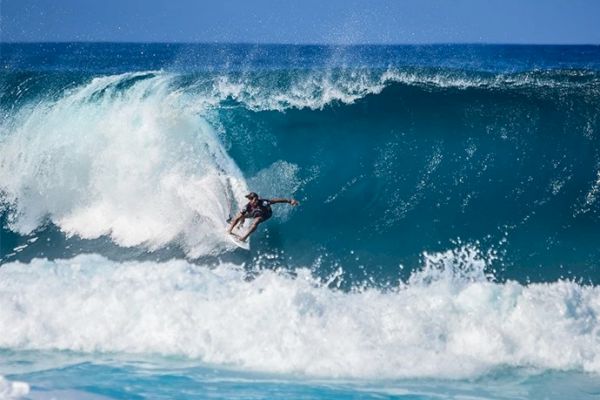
(235, 239)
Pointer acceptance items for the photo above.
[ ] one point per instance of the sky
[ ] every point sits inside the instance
(302, 21)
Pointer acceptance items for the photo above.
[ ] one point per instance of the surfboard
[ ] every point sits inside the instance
(235, 239)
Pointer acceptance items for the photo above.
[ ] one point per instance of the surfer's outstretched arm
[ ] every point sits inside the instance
(289, 201)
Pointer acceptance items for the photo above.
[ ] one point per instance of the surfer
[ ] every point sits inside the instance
(257, 208)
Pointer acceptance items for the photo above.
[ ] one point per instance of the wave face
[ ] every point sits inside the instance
(120, 165)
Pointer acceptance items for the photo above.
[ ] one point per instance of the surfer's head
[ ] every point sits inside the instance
(253, 197)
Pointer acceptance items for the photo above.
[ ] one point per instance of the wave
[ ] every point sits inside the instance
(151, 159)
(449, 320)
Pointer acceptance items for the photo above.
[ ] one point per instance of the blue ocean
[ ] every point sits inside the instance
(446, 245)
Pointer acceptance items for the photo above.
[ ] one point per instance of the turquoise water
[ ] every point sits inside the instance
(445, 245)
(111, 377)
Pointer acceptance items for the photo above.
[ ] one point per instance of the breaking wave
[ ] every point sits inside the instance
(449, 319)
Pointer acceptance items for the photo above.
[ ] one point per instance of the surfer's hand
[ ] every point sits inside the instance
(294, 202)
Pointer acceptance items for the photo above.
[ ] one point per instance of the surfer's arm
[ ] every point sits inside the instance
(289, 201)
(235, 221)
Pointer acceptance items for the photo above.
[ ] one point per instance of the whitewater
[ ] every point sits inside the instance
(445, 245)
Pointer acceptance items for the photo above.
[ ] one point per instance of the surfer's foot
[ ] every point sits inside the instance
(238, 237)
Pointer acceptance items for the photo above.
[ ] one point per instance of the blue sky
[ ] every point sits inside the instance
(307, 21)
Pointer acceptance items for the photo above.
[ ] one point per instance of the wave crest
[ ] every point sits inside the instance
(316, 89)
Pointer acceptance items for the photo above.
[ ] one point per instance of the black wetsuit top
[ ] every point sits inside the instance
(261, 209)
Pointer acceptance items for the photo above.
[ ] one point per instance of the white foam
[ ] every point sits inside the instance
(319, 88)
(12, 389)
(449, 320)
(313, 90)
(122, 156)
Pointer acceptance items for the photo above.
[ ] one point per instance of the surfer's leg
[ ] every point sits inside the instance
(238, 218)
(252, 228)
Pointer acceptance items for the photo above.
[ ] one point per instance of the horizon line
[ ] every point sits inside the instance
(242, 43)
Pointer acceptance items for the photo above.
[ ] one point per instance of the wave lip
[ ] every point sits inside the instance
(316, 89)
(447, 325)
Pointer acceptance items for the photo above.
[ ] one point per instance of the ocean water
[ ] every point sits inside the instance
(445, 247)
